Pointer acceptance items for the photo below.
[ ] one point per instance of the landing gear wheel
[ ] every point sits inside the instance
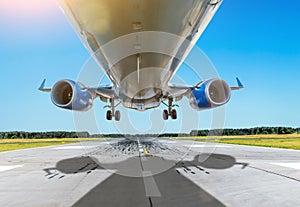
(174, 114)
(109, 115)
(165, 114)
(117, 115)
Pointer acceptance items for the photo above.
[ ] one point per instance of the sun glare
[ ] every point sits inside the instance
(26, 8)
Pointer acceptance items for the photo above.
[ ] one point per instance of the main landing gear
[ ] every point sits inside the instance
(170, 112)
(112, 112)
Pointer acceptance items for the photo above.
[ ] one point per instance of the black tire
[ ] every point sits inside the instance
(109, 115)
(117, 115)
(165, 114)
(174, 114)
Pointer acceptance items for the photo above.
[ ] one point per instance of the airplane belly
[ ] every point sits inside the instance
(139, 43)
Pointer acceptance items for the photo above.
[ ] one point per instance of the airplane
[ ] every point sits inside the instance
(140, 78)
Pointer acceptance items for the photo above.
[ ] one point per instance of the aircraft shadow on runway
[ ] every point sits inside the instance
(175, 189)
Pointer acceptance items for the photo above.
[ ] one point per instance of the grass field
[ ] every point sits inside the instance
(290, 141)
(15, 144)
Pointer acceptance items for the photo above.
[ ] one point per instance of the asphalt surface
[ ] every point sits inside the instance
(149, 172)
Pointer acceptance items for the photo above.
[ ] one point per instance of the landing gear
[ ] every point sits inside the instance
(109, 115)
(170, 112)
(174, 114)
(113, 113)
(165, 114)
(117, 115)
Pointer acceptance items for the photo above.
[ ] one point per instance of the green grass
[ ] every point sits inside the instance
(16, 144)
(291, 141)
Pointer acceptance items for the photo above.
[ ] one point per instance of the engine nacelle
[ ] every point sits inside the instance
(210, 94)
(71, 95)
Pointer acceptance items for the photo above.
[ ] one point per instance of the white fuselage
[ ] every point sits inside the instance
(139, 43)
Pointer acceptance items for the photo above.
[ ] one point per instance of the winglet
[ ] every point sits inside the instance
(240, 85)
(42, 87)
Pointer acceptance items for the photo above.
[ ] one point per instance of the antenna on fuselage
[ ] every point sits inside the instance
(138, 61)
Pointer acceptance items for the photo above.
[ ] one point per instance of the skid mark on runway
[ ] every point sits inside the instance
(6, 168)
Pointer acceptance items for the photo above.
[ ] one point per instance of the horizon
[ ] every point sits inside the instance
(258, 127)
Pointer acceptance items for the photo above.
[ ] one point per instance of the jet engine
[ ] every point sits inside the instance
(68, 94)
(210, 94)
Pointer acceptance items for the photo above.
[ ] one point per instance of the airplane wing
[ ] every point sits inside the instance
(104, 92)
(42, 87)
(178, 91)
(240, 85)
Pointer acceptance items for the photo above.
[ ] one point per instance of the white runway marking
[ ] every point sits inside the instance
(295, 165)
(150, 185)
(207, 145)
(6, 168)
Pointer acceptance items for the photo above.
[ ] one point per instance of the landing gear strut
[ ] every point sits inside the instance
(170, 112)
(112, 112)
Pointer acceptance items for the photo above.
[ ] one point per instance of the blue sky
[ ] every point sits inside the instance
(258, 41)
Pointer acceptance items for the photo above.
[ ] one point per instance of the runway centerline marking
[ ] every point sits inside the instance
(11, 167)
(150, 185)
(294, 165)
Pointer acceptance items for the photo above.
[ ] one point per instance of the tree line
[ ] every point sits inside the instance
(247, 131)
(215, 132)
(41, 135)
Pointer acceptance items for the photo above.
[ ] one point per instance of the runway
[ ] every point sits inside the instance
(150, 172)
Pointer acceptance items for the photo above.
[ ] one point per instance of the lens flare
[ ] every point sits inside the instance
(26, 8)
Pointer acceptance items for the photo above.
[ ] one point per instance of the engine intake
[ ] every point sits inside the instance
(210, 94)
(71, 95)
